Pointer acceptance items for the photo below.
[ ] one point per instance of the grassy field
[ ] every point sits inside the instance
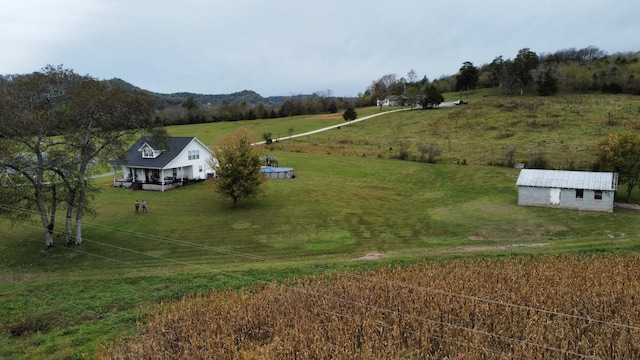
(350, 200)
(563, 129)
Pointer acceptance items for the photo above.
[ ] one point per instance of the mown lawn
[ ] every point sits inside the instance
(349, 199)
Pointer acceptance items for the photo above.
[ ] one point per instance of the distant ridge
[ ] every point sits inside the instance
(164, 100)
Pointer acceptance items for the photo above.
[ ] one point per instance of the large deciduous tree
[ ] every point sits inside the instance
(381, 88)
(104, 120)
(238, 174)
(547, 79)
(432, 98)
(53, 125)
(524, 63)
(497, 71)
(30, 113)
(621, 153)
(467, 78)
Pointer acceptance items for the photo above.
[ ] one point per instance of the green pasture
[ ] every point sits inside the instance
(349, 199)
(563, 129)
(279, 128)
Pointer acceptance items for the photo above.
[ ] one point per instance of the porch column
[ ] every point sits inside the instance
(162, 177)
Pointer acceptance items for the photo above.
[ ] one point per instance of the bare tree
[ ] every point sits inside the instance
(381, 88)
(412, 76)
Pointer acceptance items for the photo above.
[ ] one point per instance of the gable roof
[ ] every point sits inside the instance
(174, 146)
(564, 179)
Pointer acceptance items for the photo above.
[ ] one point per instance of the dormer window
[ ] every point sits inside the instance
(148, 152)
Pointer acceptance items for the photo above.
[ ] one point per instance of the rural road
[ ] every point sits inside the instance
(444, 104)
(330, 127)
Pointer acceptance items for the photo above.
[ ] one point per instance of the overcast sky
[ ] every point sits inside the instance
(291, 47)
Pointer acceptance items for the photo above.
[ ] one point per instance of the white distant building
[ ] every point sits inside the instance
(579, 190)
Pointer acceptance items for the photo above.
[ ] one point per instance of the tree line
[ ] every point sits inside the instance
(572, 70)
(192, 111)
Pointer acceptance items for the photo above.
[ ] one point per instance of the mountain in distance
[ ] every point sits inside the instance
(164, 100)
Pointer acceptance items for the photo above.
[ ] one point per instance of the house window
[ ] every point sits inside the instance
(200, 168)
(597, 194)
(147, 152)
(579, 194)
(194, 154)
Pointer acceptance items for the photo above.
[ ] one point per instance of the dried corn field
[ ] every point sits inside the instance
(562, 307)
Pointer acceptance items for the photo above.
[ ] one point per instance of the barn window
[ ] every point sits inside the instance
(579, 193)
(597, 195)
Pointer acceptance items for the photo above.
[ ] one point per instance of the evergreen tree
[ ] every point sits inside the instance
(350, 114)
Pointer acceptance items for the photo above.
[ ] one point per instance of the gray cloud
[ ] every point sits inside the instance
(284, 47)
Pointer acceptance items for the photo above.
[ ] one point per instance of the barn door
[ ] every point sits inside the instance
(554, 196)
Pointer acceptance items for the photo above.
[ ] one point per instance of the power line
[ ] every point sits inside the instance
(368, 278)
(360, 277)
(323, 269)
(307, 292)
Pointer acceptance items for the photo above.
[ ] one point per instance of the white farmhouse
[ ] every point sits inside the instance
(153, 166)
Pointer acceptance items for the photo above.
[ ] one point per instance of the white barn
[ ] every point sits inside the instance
(579, 190)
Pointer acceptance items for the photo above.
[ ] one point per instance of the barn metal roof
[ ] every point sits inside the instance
(564, 179)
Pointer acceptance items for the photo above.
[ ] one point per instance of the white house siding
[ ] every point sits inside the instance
(191, 168)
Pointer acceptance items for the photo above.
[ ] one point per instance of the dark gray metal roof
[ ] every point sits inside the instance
(564, 179)
(174, 146)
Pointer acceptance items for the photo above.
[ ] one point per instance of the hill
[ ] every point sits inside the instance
(248, 97)
(557, 132)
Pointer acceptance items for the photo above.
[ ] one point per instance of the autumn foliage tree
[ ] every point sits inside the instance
(238, 167)
(621, 153)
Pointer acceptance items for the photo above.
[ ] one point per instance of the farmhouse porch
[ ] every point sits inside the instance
(151, 179)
